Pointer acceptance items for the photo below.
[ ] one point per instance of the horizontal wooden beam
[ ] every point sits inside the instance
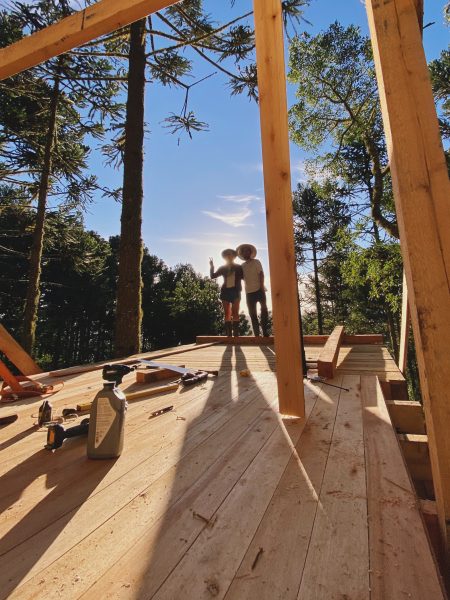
(308, 340)
(153, 375)
(328, 357)
(77, 29)
(407, 416)
(16, 354)
(69, 371)
(241, 340)
(365, 338)
(417, 455)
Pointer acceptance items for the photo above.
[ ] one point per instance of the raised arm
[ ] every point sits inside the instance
(214, 274)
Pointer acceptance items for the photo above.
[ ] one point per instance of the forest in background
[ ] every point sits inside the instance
(72, 296)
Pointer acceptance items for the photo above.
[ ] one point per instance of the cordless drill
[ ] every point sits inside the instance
(116, 372)
(56, 434)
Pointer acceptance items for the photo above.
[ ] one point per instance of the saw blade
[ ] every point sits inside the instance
(174, 368)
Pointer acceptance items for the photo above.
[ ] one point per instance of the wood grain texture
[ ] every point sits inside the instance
(393, 511)
(16, 354)
(405, 325)
(198, 491)
(328, 357)
(278, 197)
(422, 198)
(407, 416)
(81, 27)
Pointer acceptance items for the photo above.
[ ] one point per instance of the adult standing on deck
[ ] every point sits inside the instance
(230, 292)
(254, 287)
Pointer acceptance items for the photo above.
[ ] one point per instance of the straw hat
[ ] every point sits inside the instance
(228, 251)
(242, 246)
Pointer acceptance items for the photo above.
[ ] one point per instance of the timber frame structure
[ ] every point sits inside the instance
(419, 175)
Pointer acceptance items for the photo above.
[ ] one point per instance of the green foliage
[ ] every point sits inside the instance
(337, 112)
(77, 303)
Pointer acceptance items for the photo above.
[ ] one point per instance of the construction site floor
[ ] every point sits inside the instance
(221, 497)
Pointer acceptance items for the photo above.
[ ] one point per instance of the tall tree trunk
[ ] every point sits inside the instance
(129, 287)
(317, 287)
(30, 312)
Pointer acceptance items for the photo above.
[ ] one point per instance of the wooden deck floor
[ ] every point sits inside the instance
(222, 498)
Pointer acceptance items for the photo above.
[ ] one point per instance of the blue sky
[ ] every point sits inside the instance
(206, 194)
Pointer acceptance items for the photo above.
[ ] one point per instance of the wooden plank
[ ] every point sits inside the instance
(394, 519)
(407, 416)
(81, 27)
(422, 197)
(285, 530)
(177, 534)
(208, 567)
(128, 360)
(241, 340)
(405, 324)
(153, 375)
(278, 197)
(166, 441)
(368, 338)
(328, 357)
(250, 340)
(314, 340)
(337, 565)
(16, 354)
(99, 530)
(417, 455)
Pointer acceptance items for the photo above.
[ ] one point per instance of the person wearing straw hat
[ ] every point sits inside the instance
(230, 292)
(254, 288)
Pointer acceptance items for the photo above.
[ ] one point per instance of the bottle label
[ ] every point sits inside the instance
(105, 418)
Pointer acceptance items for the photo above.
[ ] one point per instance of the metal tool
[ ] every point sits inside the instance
(116, 372)
(56, 434)
(45, 414)
(192, 378)
(156, 365)
(161, 411)
(318, 379)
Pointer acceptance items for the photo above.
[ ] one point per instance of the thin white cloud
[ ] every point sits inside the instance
(240, 198)
(235, 219)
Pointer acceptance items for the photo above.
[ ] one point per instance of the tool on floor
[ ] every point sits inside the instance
(116, 372)
(56, 433)
(151, 375)
(318, 379)
(163, 389)
(68, 413)
(155, 365)
(161, 411)
(193, 378)
(15, 387)
(45, 414)
(8, 419)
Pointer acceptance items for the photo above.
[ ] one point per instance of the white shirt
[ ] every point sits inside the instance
(252, 269)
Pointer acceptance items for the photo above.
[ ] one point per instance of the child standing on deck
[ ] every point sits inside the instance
(230, 293)
(254, 288)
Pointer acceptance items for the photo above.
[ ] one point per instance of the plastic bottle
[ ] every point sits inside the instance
(107, 422)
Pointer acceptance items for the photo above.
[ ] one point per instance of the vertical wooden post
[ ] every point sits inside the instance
(406, 314)
(404, 328)
(278, 193)
(422, 199)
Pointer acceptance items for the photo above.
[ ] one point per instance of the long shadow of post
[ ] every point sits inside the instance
(163, 547)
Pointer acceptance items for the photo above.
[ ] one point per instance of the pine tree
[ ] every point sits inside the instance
(48, 112)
